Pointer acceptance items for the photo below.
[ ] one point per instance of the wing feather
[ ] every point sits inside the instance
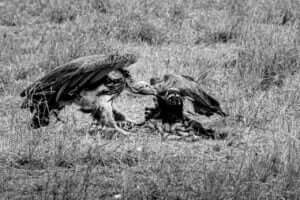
(60, 91)
(78, 74)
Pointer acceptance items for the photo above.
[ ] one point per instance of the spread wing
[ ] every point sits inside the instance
(202, 102)
(80, 74)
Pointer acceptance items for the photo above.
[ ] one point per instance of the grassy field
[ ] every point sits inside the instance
(243, 52)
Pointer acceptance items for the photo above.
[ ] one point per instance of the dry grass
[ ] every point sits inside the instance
(245, 53)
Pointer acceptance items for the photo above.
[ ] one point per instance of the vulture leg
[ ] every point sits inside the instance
(105, 116)
(102, 111)
(41, 116)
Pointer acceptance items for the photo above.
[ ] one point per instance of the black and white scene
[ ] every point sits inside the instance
(149, 99)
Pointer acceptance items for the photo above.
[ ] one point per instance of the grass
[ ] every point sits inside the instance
(244, 53)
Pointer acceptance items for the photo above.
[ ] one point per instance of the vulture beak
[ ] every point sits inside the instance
(143, 88)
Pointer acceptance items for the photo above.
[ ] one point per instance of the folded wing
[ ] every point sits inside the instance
(66, 81)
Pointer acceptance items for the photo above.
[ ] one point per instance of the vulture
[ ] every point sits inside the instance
(170, 93)
(91, 82)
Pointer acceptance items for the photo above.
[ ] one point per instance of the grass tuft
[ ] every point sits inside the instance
(134, 28)
(272, 62)
(60, 15)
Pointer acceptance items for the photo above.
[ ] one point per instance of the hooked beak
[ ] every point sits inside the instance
(142, 88)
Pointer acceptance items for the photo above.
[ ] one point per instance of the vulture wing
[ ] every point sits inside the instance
(84, 73)
(202, 102)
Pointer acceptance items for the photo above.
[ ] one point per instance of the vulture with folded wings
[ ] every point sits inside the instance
(83, 81)
(170, 93)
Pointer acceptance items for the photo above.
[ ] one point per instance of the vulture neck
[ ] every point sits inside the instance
(130, 84)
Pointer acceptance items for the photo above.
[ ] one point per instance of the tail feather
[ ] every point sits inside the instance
(23, 93)
(25, 104)
(41, 116)
(222, 113)
(40, 120)
(209, 111)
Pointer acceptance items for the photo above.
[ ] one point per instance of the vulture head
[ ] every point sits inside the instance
(143, 88)
(174, 97)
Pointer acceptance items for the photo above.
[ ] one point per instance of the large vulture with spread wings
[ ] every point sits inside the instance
(171, 91)
(82, 81)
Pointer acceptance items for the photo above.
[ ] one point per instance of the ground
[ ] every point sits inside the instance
(244, 53)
